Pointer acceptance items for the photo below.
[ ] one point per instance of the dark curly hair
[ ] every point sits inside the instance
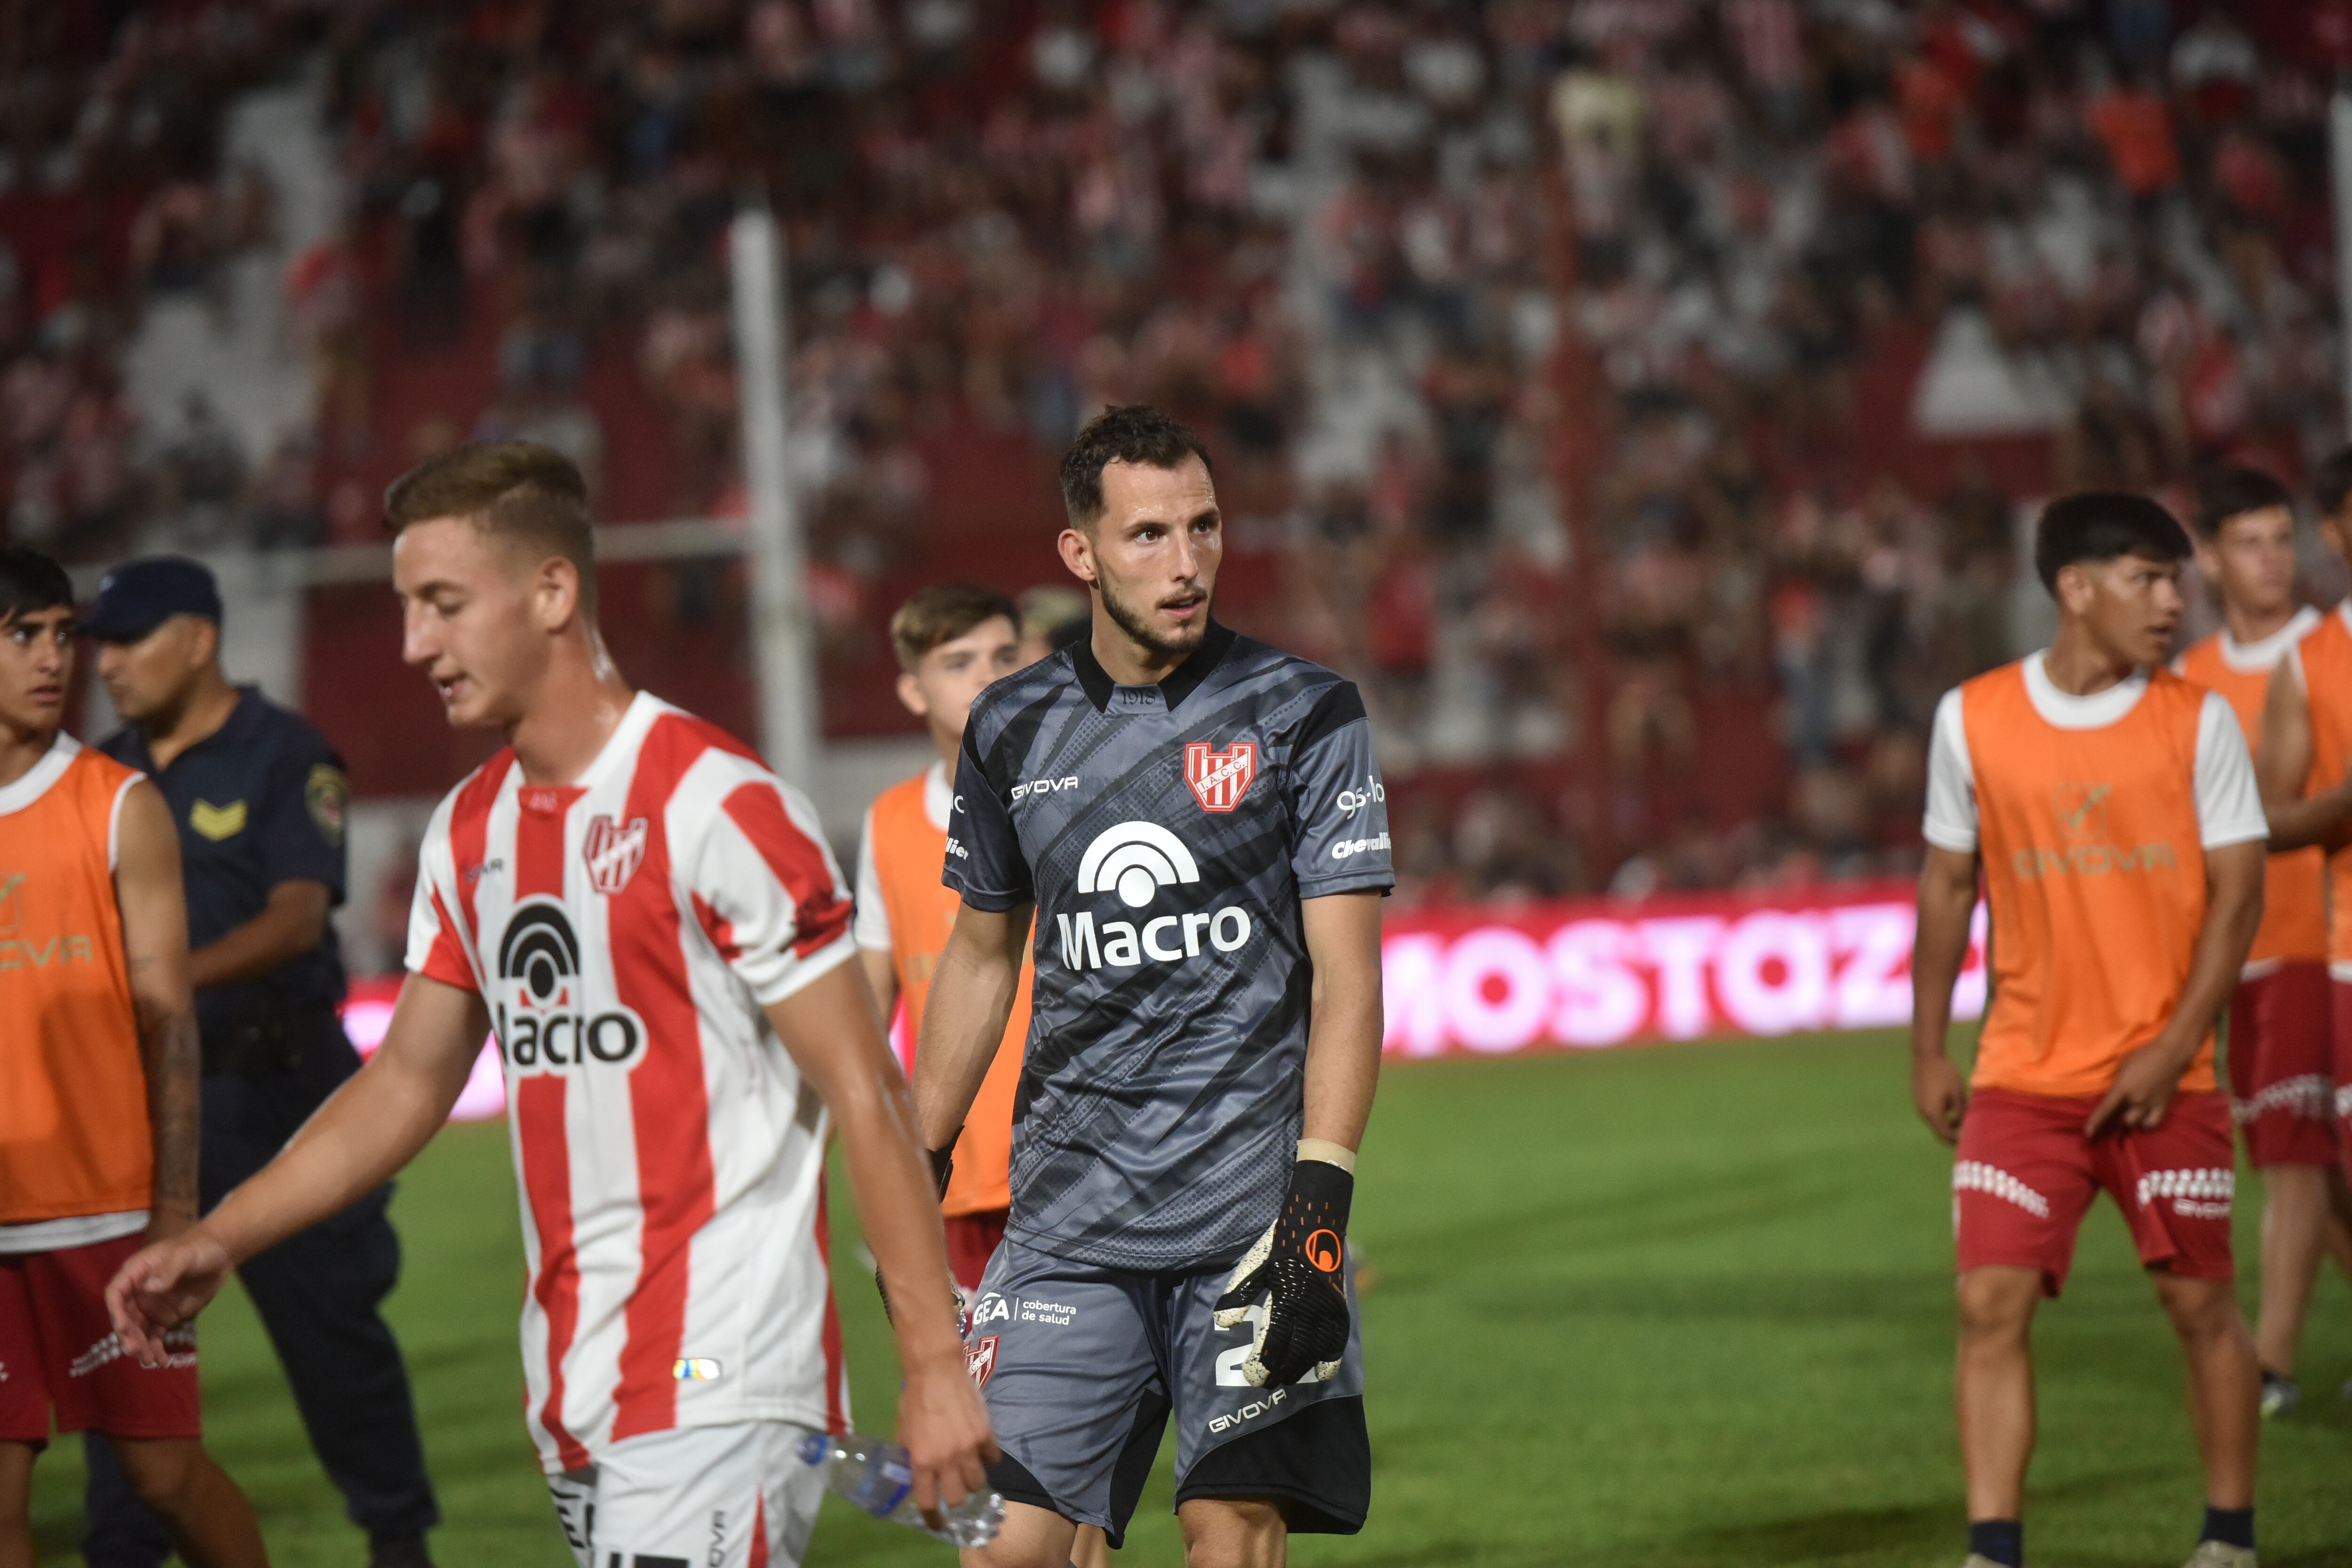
(2231, 492)
(2100, 525)
(1129, 433)
(30, 583)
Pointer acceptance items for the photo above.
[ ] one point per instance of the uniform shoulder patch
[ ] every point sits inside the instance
(329, 795)
(217, 821)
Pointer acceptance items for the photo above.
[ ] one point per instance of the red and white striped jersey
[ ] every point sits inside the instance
(625, 931)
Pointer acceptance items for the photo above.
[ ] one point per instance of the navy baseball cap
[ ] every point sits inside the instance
(139, 596)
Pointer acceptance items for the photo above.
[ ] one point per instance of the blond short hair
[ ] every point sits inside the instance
(518, 492)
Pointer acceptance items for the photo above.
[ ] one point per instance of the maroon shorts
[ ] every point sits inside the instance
(57, 1352)
(972, 1242)
(2281, 1070)
(2025, 1177)
(2342, 1075)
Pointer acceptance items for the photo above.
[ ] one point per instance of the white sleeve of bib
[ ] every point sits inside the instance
(1951, 819)
(871, 926)
(2229, 802)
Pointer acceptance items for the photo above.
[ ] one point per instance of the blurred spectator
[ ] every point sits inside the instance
(1639, 400)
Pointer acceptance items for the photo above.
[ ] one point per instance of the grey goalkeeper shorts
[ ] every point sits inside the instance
(1081, 1366)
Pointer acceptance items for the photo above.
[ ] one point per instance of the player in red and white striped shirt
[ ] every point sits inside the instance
(640, 911)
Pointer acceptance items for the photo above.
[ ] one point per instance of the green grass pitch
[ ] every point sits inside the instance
(1686, 1308)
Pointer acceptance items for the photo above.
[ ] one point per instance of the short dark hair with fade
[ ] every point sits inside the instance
(519, 492)
(2232, 490)
(2100, 525)
(943, 613)
(30, 583)
(2332, 481)
(1123, 433)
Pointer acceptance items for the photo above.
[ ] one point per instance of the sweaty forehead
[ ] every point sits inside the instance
(1139, 490)
(455, 549)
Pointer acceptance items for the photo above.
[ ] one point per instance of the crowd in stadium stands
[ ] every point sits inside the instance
(1638, 397)
(110, 194)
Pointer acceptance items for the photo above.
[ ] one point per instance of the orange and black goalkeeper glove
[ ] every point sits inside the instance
(1297, 1269)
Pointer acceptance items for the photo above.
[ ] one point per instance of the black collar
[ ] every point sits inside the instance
(1181, 682)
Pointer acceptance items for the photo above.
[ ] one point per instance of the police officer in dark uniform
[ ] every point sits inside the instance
(261, 801)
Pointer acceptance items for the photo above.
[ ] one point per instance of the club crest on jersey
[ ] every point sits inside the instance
(611, 850)
(980, 1361)
(1219, 779)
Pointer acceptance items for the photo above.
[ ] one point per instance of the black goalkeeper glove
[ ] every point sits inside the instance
(1297, 1269)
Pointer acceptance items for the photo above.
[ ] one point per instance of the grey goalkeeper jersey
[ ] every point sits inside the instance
(1167, 835)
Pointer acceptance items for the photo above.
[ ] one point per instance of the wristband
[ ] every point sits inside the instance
(1330, 1154)
(1314, 1221)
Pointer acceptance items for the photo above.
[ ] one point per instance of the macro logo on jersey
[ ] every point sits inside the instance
(613, 851)
(1219, 779)
(2087, 847)
(541, 1024)
(1135, 860)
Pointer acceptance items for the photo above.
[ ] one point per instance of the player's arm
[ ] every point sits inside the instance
(979, 975)
(1948, 900)
(2285, 767)
(757, 867)
(828, 1026)
(365, 1132)
(970, 1002)
(1344, 1021)
(2144, 1084)
(1297, 1267)
(153, 902)
(881, 979)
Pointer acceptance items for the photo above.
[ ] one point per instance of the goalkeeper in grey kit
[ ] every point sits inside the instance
(1195, 825)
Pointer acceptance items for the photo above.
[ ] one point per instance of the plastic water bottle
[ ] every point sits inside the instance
(878, 1477)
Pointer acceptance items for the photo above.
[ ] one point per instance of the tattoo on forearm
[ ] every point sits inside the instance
(173, 1057)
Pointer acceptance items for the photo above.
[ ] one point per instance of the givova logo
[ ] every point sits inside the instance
(24, 952)
(541, 1023)
(1136, 860)
(2200, 1193)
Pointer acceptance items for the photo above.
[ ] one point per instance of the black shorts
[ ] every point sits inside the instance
(1318, 1465)
(1082, 1367)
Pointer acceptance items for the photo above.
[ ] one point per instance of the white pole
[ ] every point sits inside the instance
(783, 641)
(2339, 144)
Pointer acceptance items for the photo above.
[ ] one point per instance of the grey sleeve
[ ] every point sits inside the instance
(1338, 800)
(984, 863)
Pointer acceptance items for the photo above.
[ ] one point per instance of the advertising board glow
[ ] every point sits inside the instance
(1580, 977)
